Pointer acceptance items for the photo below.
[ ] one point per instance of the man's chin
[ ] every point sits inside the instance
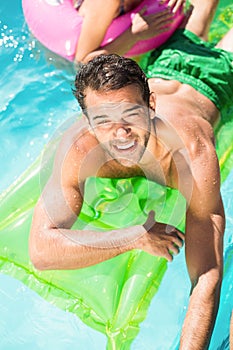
(127, 159)
(127, 162)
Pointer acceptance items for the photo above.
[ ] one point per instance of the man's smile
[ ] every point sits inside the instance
(125, 146)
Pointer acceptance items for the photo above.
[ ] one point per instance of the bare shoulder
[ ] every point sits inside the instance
(79, 154)
(77, 139)
(194, 162)
(185, 131)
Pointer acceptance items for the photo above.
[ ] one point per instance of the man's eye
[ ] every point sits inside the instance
(104, 123)
(133, 117)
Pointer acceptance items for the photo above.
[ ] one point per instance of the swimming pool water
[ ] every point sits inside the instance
(35, 95)
(35, 100)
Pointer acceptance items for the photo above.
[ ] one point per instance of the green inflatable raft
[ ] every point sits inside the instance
(126, 283)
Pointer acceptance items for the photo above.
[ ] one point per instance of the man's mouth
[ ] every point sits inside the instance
(125, 146)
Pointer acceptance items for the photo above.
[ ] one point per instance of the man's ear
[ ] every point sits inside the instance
(152, 101)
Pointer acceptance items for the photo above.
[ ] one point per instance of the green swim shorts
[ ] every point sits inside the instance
(190, 60)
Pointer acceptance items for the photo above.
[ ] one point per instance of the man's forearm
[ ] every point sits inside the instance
(201, 315)
(73, 249)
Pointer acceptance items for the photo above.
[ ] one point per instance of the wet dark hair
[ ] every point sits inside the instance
(109, 72)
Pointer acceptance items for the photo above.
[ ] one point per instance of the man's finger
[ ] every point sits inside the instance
(177, 241)
(150, 220)
(169, 255)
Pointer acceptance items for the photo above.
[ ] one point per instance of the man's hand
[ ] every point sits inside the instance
(161, 239)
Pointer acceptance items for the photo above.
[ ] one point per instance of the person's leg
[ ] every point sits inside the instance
(226, 43)
(202, 15)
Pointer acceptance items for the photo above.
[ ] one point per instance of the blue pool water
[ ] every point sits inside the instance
(35, 101)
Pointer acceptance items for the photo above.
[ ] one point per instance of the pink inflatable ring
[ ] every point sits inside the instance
(56, 24)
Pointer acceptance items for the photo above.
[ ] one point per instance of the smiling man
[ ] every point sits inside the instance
(163, 133)
(120, 136)
(115, 139)
(109, 123)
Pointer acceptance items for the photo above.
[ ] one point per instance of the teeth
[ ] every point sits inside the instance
(125, 146)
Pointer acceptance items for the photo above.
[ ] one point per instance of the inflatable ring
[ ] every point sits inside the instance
(57, 25)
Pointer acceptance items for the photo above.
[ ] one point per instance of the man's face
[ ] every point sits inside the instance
(120, 121)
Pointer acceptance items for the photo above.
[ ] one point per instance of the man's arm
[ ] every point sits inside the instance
(54, 245)
(204, 262)
(205, 226)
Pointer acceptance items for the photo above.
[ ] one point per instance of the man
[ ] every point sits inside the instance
(120, 136)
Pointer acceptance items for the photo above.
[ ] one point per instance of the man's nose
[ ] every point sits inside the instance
(122, 131)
